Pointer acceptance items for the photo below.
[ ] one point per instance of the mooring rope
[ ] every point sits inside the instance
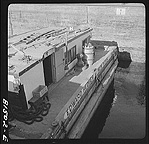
(29, 116)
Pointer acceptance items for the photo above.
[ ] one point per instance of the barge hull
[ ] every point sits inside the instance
(80, 124)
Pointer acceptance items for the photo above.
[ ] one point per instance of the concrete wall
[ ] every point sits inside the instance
(32, 79)
(128, 29)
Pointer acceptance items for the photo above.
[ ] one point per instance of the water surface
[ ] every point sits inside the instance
(121, 113)
(127, 115)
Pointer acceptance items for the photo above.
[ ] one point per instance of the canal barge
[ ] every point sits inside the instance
(56, 70)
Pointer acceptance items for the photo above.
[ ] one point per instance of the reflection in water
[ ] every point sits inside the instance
(114, 100)
(100, 115)
(141, 95)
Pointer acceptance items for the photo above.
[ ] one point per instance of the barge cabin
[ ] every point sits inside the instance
(56, 70)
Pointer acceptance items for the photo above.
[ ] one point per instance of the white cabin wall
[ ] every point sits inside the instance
(32, 79)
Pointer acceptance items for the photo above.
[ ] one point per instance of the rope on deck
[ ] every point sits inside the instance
(29, 116)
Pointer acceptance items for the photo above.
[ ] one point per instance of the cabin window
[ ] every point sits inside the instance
(71, 55)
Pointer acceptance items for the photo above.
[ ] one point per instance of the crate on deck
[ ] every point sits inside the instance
(40, 94)
(40, 91)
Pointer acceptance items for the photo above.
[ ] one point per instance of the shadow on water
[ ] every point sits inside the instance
(92, 131)
(132, 77)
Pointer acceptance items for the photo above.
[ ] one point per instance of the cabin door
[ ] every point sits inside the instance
(59, 63)
(47, 64)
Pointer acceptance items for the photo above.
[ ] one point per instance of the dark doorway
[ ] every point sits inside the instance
(47, 66)
(84, 41)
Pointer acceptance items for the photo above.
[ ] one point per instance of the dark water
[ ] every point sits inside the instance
(121, 113)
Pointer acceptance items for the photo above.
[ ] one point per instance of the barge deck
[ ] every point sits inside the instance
(59, 94)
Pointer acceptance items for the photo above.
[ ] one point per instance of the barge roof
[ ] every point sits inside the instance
(28, 48)
(59, 94)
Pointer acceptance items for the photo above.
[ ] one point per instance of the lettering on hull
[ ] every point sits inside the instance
(78, 97)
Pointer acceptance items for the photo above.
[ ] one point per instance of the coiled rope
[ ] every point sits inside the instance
(29, 116)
